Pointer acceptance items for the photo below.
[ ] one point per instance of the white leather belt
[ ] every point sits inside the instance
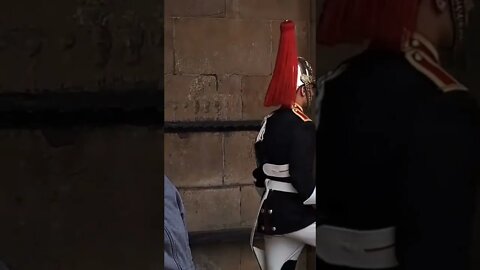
(279, 186)
(373, 249)
(273, 170)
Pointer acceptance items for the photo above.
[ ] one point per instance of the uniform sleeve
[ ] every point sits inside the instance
(259, 180)
(302, 160)
(435, 225)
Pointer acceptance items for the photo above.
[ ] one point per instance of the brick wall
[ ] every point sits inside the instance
(219, 56)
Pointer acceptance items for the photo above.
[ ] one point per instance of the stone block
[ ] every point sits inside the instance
(204, 97)
(232, 9)
(66, 47)
(273, 9)
(212, 209)
(250, 203)
(235, 256)
(230, 89)
(189, 98)
(221, 46)
(217, 257)
(168, 62)
(195, 8)
(239, 157)
(254, 89)
(194, 160)
(248, 258)
(81, 205)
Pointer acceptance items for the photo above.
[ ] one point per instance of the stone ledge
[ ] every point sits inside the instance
(234, 235)
(211, 126)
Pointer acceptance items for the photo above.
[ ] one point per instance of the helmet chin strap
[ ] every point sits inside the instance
(459, 21)
(308, 93)
(305, 81)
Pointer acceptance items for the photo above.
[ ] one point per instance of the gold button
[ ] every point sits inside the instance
(274, 229)
(270, 211)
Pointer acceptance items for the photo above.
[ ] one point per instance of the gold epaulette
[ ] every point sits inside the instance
(430, 68)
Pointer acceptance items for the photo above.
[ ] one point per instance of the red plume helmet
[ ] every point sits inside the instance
(384, 22)
(283, 86)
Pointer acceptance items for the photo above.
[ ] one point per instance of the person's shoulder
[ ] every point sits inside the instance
(379, 71)
(422, 55)
(300, 115)
(169, 188)
(433, 71)
(452, 96)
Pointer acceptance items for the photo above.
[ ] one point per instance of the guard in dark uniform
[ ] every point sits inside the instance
(285, 149)
(398, 142)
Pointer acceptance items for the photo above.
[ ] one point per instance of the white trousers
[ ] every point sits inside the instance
(280, 249)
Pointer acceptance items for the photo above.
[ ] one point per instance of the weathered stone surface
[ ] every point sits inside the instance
(195, 8)
(273, 9)
(73, 46)
(232, 9)
(168, 61)
(303, 39)
(204, 97)
(190, 98)
(217, 257)
(195, 160)
(249, 205)
(254, 89)
(212, 209)
(81, 205)
(239, 157)
(220, 46)
(248, 258)
(230, 88)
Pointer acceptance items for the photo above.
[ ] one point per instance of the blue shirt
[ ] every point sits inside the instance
(177, 254)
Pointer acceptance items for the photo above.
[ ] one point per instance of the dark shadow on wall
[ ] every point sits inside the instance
(93, 203)
(81, 157)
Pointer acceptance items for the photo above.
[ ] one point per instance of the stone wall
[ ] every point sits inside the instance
(85, 44)
(219, 56)
(218, 61)
(95, 203)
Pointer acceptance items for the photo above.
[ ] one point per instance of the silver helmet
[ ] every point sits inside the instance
(306, 79)
(305, 73)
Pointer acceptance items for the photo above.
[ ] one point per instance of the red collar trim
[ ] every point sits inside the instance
(298, 107)
(419, 42)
